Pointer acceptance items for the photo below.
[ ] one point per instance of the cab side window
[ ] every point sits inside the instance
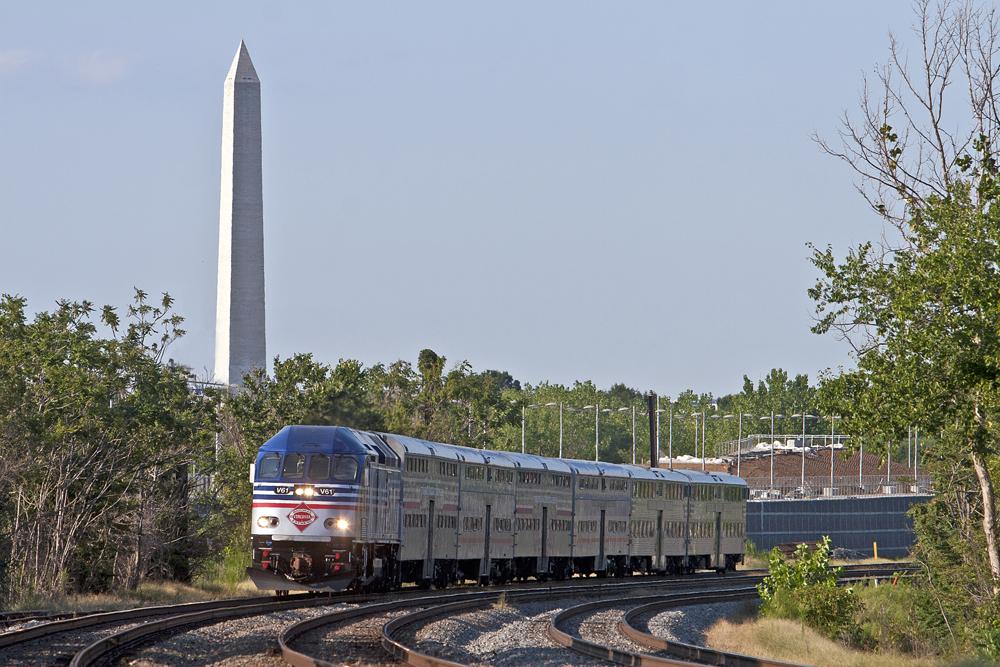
(269, 466)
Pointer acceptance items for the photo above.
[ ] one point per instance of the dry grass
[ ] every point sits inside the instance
(789, 641)
(752, 563)
(146, 595)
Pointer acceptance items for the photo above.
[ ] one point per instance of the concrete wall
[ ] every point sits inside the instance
(851, 523)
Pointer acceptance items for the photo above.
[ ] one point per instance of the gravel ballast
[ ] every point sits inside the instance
(252, 641)
(688, 625)
(511, 636)
(355, 642)
(56, 649)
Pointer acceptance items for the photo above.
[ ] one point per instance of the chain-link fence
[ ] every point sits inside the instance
(757, 443)
(783, 488)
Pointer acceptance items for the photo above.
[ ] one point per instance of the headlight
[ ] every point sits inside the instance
(267, 521)
(341, 524)
(304, 491)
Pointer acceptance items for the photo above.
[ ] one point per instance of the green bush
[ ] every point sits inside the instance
(806, 568)
(804, 588)
(901, 616)
(830, 611)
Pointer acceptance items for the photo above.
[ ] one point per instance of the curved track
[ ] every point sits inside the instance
(102, 638)
(673, 653)
(430, 608)
(713, 590)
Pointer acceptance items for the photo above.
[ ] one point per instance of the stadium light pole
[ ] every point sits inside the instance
(772, 450)
(671, 436)
(804, 417)
(633, 435)
(695, 416)
(703, 414)
(833, 437)
(658, 411)
(739, 445)
(522, 429)
(597, 429)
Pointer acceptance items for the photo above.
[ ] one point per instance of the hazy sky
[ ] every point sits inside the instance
(619, 192)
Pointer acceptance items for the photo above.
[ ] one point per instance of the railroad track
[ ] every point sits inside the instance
(102, 638)
(394, 623)
(671, 653)
(12, 618)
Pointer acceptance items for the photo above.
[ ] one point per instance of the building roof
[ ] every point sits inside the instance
(817, 464)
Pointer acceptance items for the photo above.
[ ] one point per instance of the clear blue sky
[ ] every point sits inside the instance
(619, 192)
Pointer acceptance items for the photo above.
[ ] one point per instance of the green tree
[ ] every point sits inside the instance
(95, 438)
(921, 309)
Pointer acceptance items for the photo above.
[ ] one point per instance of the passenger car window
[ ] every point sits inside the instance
(269, 466)
(295, 466)
(346, 469)
(319, 467)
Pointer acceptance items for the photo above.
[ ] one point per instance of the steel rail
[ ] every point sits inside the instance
(621, 657)
(83, 620)
(9, 618)
(681, 653)
(292, 632)
(406, 654)
(80, 622)
(436, 605)
(678, 652)
(204, 613)
(104, 650)
(418, 659)
(701, 655)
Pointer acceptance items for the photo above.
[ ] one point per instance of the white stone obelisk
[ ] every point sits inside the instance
(239, 326)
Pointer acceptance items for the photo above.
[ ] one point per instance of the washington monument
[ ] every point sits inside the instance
(239, 322)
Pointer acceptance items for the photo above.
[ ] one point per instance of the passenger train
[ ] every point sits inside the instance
(336, 508)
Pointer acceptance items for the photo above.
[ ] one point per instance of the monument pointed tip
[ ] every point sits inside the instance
(242, 70)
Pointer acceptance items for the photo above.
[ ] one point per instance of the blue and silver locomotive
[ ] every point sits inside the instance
(325, 509)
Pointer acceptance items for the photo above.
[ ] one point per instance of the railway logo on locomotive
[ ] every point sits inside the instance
(302, 517)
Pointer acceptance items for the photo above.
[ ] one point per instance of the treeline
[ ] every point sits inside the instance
(614, 429)
(102, 437)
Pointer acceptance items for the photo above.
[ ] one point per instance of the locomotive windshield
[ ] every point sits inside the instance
(319, 467)
(347, 469)
(269, 466)
(295, 466)
(315, 467)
